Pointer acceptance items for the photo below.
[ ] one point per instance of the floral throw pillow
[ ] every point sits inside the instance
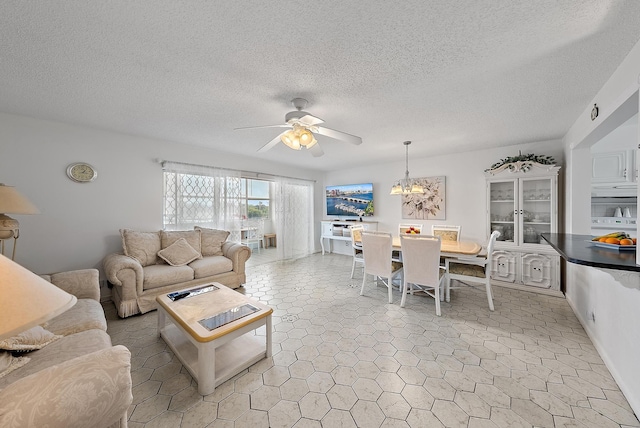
(9, 363)
(30, 340)
(212, 240)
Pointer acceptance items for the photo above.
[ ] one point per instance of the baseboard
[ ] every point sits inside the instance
(528, 288)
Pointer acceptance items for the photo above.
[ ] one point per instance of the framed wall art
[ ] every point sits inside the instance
(427, 206)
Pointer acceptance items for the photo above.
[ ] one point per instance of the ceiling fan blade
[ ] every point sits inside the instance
(338, 135)
(285, 125)
(270, 144)
(316, 151)
(309, 120)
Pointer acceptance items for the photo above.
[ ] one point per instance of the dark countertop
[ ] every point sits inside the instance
(578, 249)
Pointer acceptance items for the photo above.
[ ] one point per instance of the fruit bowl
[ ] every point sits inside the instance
(613, 246)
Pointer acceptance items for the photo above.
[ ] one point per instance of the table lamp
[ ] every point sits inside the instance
(27, 300)
(12, 202)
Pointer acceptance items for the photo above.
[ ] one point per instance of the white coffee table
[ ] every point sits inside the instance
(214, 356)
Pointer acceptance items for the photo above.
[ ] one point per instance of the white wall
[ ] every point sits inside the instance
(624, 137)
(79, 223)
(465, 185)
(612, 298)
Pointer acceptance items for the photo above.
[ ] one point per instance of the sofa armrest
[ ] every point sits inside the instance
(237, 253)
(93, 390)
(83, 283)
(119, 268)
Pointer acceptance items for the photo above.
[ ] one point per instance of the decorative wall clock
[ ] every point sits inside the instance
(81, 172)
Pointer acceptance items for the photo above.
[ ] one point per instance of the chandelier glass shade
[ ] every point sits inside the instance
(406, 185)
(298, 137)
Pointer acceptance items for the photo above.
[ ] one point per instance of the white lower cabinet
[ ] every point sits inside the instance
(536, 272)
(337, 236)
(504, 266)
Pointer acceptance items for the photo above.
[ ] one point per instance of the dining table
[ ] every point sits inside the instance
(449, 248)
(453, 249)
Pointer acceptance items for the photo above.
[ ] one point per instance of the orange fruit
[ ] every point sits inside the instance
(612, 241)
(626, 242)
(634, 241)
(602, 240)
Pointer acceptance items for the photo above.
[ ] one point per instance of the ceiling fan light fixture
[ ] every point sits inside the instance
(290, 139)
(305, 137)
(303, 130)
(406, 185)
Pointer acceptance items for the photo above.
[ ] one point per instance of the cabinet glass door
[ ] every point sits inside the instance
(536, 213)
(502, 205)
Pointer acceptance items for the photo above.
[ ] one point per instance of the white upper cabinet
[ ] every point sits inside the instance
(522, 208)
(613, 168)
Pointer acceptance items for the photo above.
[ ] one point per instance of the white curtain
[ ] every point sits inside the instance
(293, 212)
(203, 196)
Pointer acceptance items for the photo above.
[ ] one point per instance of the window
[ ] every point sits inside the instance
(257, 198)
(200, 199)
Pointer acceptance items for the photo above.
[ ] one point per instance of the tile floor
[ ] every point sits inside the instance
(265, 255)
(344, 360)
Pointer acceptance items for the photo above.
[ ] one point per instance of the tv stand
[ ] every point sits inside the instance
(333, 230)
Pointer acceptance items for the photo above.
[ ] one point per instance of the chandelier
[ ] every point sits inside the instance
(406, 185)
(298, 137)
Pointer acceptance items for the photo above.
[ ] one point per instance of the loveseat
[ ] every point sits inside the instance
(159, 262)
(76, 378)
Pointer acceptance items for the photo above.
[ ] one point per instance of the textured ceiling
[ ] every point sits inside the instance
(450, 76)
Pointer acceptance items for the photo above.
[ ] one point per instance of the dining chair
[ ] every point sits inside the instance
(402, 230)
(376, 249)
(472, 269)
(421, 267)
(446, 232)
(403, 227)
(356, 247)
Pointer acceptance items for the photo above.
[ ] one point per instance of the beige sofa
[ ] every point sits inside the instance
(160, 262)
(77, 380)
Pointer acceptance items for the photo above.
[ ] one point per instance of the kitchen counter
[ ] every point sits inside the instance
(578, 249)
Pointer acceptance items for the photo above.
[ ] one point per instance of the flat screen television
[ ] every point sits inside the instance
(351, 200)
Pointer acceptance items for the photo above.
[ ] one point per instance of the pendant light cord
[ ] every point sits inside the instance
(406, 172)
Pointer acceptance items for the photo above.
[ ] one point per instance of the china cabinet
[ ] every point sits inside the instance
(522, 203)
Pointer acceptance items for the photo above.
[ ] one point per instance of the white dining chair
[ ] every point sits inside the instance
(446, 232)
(356, 247)
(376, 249)
(402, 230)
(421, 267)
(472, 269)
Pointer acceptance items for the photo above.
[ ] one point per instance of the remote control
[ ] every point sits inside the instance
(180, 296)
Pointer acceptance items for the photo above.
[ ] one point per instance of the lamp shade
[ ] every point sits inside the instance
(27, 300)
(12, 202)
(290, 139)
(305, 137)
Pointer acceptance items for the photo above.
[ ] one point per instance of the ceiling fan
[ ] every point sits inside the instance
(303, 126)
